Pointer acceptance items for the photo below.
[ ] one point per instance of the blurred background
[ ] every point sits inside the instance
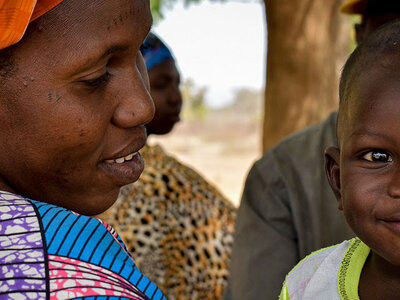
(220, 52)
(233, 111)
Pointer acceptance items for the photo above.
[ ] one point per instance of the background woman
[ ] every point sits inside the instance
(178, 226)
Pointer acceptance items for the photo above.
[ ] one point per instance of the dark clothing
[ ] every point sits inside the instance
(287, 211)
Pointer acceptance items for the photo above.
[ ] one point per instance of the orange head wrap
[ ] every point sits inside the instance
(15, 16)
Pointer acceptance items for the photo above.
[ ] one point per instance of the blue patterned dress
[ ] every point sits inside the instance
(48, 252)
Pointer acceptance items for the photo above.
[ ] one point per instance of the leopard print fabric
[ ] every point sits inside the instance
(177, 226)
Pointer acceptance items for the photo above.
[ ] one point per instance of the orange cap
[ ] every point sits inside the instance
(354, 7)
(15, 16)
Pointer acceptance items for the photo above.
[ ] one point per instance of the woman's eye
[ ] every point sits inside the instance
(159, 85)
(144, 47)
(99, 81)
(377, 156)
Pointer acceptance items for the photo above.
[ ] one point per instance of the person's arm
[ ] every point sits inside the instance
(265, 246)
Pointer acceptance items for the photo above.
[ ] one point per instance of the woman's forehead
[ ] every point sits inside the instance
(78, 31)
(73, 16)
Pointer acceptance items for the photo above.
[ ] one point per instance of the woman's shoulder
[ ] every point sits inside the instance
(167, 175)
(49, 239)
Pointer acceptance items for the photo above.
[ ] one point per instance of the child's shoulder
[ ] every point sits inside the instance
(316, 275)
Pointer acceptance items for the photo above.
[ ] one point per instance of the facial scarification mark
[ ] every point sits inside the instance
(121, 18)
(58, 97)
(51, 96)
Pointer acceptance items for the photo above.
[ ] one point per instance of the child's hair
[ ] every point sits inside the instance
(379, 52)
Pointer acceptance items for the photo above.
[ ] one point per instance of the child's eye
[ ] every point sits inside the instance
(99, 81)
(377, 156)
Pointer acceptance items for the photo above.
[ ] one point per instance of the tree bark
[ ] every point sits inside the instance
(308, 42)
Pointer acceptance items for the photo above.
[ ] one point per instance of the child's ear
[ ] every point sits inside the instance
(332, 169)
(360, 32)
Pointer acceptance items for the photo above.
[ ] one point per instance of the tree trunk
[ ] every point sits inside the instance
(308, 42)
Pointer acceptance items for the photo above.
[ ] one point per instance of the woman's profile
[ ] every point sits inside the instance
(74, 101)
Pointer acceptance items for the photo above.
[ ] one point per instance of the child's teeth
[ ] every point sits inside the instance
(120, 160)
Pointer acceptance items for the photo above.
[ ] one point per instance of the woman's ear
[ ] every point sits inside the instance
(332, 169)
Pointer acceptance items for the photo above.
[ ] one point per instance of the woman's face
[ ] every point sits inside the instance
(164, 83)
(73, 108)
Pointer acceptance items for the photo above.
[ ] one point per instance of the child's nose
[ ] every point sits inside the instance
(394, 186)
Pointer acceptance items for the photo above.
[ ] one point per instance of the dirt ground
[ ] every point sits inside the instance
(221, 147)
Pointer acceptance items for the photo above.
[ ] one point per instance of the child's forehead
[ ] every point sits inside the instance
(380, 74)
(374, 63)
(372, 88)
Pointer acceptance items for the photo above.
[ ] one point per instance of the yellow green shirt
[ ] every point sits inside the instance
(330, 273)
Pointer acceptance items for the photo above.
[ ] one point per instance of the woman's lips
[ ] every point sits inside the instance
(174, 117)
(125, 169)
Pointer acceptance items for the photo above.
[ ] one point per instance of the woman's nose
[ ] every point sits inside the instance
(135, 105)
(175, 96)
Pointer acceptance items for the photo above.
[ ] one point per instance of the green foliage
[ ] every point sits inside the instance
(157, 8)
(193, 97)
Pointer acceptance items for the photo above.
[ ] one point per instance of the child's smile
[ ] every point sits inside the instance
(369, 188)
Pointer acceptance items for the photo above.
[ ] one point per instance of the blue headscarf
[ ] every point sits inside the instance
(154, 51)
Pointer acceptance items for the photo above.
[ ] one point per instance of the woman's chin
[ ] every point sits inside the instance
(98, 205)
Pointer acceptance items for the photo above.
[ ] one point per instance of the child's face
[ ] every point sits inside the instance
(365, 173)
